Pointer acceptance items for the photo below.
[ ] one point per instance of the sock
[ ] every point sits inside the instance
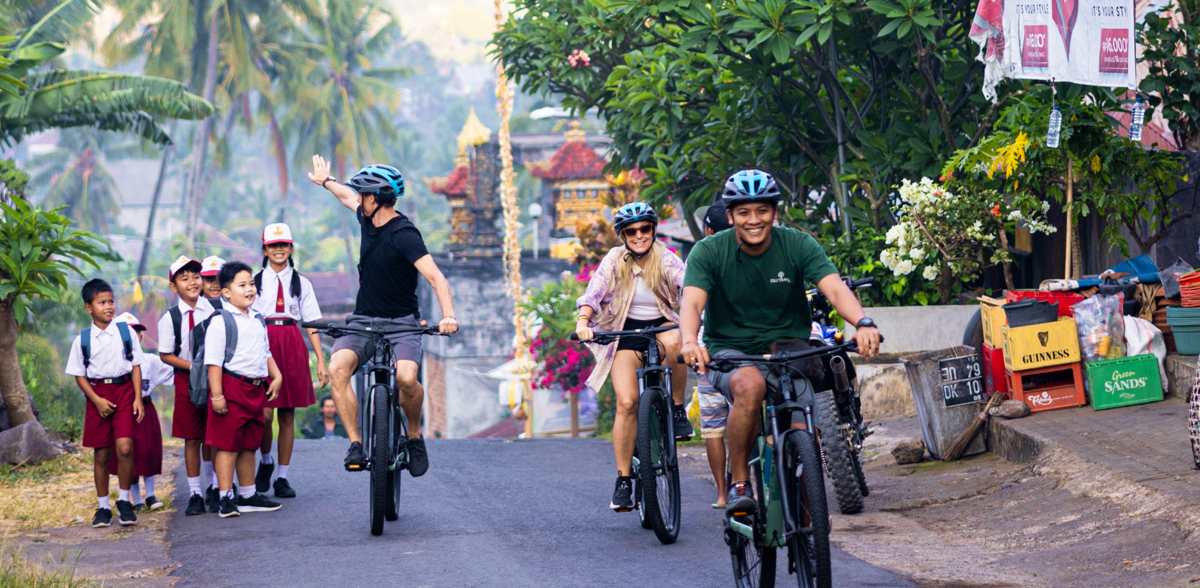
(246, 492)
(135, 491)
(267, 459)
(228, 494)
(194, 485)
(123, 495)
(213, 482)
(283, 471)
(103, 500)
(149, 485)
(206, 472)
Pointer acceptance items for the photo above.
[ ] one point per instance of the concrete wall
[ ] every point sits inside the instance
(908, 329)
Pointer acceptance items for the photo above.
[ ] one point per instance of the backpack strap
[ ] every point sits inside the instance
(126, 340)
(366, 253)
(177, 328)
(85, 345)
(216, 303)
(258, 281)
(231, 336)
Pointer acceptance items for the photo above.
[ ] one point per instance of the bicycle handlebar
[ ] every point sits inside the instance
(728, 363)
(606, 337)
(336, 330)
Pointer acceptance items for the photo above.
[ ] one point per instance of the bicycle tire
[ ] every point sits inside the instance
(380, 457)
(861, 477)
(658, 472)
(641, 507)
(809, 553)
(753, 563)
(1194, 423)
(393, 483)
(838, 455)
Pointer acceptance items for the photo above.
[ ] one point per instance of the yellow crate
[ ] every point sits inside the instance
(992, 317)
(1039, 346)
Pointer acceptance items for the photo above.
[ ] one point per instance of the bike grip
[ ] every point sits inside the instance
(574, 337)
(864, 282)
(314, 325)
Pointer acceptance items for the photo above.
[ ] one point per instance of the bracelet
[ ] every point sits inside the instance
(219, 398)
(326, 180)
(451, 318)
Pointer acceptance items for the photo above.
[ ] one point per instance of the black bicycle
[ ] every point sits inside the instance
(786, 475)
(655, 463)
(384, 431)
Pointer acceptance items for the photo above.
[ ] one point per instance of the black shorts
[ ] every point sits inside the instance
(405, 346)
(639, 344)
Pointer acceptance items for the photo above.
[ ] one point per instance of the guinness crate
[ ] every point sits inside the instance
(1124, 381)
(1050, 388)
(994, 378)
(1042, 345)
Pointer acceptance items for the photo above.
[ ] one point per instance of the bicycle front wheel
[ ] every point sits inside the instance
(838, 455)
(393, 481)
(381, 449)
(658, 471)
(809, 547)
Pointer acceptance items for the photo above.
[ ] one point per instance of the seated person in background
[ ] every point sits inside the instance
(325, 424)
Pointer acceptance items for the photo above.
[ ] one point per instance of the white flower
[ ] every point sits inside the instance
(1045, 206)
(930, 274)
(916, 254)
(1015, 215)
(894, 233)
(904, 268)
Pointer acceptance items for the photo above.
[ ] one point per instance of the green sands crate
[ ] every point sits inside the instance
(1124, 381)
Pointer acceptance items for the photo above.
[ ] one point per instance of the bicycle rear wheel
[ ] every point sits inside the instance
(838, 455)
(809, 548)
(393, 481)
(753, 563)
(658, 472)
(381, 449)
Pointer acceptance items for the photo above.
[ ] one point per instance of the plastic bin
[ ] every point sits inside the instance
(1049, 388)
(1030, 312)
(940, 425)
(1185, 329)
(1066, 300)
(1124, 381)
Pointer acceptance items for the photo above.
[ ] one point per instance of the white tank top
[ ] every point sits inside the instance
(644, 306)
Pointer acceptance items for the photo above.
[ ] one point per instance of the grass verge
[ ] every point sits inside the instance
(18, 572)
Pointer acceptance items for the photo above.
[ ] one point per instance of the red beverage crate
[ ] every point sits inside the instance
(1049, 388)
(994, 378)
(1065, 300)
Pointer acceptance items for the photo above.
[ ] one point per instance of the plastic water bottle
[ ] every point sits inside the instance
(1055, 125)
(1135, 121)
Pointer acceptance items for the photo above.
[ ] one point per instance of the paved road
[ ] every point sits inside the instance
(488, 513)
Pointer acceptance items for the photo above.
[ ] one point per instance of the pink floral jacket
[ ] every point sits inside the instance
(611, 307)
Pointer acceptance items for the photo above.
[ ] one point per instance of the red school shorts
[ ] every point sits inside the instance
(291, 356)
(147, 444)
(188, 421)
(101, 431)
(242, 426)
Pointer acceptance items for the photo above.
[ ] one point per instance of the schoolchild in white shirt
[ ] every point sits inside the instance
(147, 435)
(211, 289)
(175, 349)
(286, 298)
(104, 361)
(238, 391)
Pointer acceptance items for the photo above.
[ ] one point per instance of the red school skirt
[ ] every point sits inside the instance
(101, 431)
(147, 444)
(242, 426)
(188, 421)
(291, 357)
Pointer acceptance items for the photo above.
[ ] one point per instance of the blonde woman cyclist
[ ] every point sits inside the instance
(636, 286)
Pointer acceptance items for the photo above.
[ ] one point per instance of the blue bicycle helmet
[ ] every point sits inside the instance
(632, 213)
(384, 181)
(750, 185)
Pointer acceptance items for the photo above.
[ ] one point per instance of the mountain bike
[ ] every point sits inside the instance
(382, 423)
(655, 463)
(839, 408)
(786, 475)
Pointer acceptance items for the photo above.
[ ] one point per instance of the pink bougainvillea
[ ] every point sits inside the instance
(578, 57)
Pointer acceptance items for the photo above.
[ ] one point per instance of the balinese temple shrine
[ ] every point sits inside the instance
(472, 191)
(574, 175)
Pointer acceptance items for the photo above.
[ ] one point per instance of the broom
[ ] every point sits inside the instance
(960, 444)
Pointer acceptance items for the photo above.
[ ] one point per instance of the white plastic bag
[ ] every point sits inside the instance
(1141, 336)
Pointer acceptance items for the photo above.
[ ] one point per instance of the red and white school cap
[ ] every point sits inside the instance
(184, 262)
(211, 266)
(129, 319)
(276, 233)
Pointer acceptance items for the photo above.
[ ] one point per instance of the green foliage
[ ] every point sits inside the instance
(859, 258)
(1169, 49)
(16, 571)
(12, 179)
(606, 409)
(561, 363)
(60, 402)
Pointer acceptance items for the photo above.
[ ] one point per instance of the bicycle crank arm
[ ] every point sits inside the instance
(741, 529)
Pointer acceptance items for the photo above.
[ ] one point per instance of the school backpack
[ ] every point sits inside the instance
(198, 384)
(177, 322)
(85, 344)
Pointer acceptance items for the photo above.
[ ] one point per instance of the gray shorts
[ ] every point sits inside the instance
(720, 380)
(404, 345)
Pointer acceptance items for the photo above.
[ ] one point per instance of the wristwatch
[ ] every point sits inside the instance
(865, 322)
(326, 180)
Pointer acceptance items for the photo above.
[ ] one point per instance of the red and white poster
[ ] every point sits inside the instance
(1083, 41)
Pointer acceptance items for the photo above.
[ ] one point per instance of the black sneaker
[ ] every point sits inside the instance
(262, 480)
(125, 510)
(212, 498)
(103, 518)
(227, 508)
(740, 500)
(622, 500)
(153, 503)
(418, 459)
(283, 489)
(257, 503)
(195, 505)
(683, 427)
(356, 460)
(139, 507)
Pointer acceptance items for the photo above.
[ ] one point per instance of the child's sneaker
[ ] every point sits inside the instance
(212, 498)
(257, 503)
(283, 489)
(103, 518)
(195, 505)
(139, 507)
(262, 479)
(153, 503)
(227, 508)
(125, 510)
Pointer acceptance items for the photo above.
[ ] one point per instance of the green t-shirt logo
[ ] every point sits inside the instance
(781, 279)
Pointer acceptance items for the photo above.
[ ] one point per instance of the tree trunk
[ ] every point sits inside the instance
(12, 384)
(158, 188)
(200, 142)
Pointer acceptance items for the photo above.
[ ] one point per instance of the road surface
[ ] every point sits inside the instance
(488, 513)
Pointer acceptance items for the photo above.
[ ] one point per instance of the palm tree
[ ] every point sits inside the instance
(74, 175)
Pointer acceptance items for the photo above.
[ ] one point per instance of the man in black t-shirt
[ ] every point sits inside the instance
(391, 256)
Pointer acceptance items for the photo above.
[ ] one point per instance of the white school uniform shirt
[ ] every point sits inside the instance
(166, 331)
(303, 309)
(155, 373)
(252, 351)
(108, 354)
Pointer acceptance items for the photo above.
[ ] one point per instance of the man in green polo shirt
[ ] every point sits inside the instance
(752, 282)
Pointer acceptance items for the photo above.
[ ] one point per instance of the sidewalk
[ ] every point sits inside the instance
(1139, 457)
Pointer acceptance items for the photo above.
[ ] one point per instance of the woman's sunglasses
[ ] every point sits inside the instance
(633, 231)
